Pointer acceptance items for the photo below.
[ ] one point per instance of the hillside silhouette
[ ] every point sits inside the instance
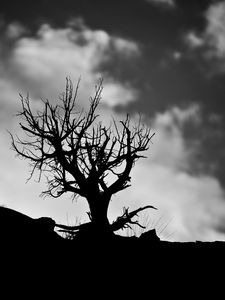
(32, 253)
(40, 237)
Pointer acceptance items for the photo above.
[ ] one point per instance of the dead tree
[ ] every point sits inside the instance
(77, 153)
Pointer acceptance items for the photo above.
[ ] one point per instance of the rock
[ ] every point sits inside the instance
(150, 236)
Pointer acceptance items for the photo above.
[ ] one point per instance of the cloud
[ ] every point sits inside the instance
(193, 40)
(212, 40)
(194, 203)
(53, 54)
(125, 47)
(167, 3)
(215, 31)
(170, 148)
(114, 94)
(15, 30)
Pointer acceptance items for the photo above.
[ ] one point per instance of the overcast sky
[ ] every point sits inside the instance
(164, 59)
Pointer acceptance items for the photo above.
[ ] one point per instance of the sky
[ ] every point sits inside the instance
(163, 59)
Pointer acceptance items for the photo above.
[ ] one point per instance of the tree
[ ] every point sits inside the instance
(77, 153)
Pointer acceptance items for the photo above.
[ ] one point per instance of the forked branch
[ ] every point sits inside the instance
(125, 220)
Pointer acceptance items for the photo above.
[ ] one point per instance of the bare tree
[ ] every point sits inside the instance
(77, 153)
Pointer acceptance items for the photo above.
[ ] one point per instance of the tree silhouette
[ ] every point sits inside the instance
(77, 153)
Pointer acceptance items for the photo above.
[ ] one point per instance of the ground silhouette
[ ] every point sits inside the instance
(21, 232)
(33, 255)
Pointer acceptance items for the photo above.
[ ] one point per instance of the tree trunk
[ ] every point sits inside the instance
(99, 209)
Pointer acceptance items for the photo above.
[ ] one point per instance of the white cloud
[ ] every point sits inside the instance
(57, 53)
(126, 47)
(195, 204)
(113, 94)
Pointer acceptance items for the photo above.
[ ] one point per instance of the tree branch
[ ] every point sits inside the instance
(126, 218)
